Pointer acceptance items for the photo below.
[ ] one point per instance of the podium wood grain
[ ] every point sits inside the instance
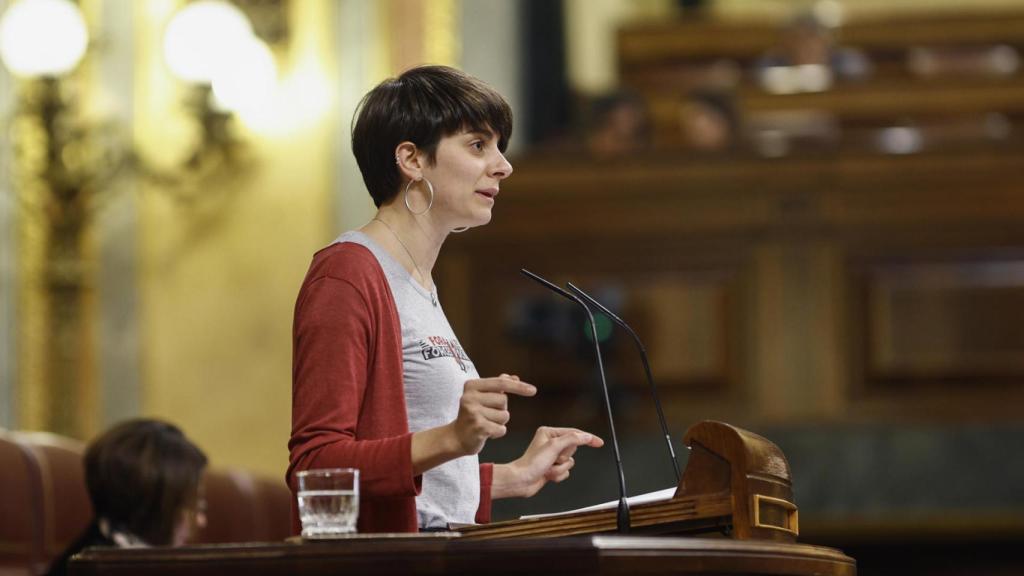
(603, 555)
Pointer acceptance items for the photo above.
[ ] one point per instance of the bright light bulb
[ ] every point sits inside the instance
(249, 84)
(42, 37)
(199, 40)
(829, 12)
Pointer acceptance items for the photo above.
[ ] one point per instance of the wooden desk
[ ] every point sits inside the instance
(578, 555)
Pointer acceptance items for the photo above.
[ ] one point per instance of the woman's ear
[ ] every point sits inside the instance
(409, 160)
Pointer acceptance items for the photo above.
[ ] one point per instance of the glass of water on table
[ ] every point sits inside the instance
(328, 501)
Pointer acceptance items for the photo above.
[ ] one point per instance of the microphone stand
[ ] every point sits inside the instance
(622, 517)
(647, 369)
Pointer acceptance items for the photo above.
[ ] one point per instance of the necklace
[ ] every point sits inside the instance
(433, 297)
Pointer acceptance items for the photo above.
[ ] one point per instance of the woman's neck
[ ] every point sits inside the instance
(412, 240)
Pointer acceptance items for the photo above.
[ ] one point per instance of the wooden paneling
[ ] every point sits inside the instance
(946, 319)
(935, 330)
(765, 289)
(682, 296)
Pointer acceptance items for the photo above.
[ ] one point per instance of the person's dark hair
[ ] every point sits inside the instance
(421, 106)
(141, 475)
(602, 106)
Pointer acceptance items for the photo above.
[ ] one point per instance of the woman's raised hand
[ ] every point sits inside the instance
(483, 410)
(548, 458)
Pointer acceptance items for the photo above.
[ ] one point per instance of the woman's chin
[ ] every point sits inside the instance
(480, 218)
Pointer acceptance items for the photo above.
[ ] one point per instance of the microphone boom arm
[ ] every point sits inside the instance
(622, 518)
(647, 369)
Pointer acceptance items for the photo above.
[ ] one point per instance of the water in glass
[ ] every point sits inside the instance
(327, 513)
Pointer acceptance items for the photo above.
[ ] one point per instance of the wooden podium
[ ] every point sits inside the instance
(736, 483)
(575, 555)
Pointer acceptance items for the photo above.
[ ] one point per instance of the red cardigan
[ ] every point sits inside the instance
(348, 399)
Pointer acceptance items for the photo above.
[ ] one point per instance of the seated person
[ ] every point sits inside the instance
(619, 125)
(144, 480)
(709, 121)
(808, 60)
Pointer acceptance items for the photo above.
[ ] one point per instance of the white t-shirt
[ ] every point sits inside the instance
(435, 368)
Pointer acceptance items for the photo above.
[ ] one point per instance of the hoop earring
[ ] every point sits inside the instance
(430, 188)
(460, 229)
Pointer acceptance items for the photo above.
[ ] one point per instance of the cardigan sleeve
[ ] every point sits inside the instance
(333, 356)
(483, 512)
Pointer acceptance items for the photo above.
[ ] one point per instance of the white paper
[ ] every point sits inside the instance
(657, 496)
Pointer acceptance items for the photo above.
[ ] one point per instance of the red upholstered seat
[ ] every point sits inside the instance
(276, 500)
(230, 508)
(242, 507)
(21, 510)
(66, 506)
(43, 504)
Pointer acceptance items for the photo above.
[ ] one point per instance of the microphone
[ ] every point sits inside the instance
(622, 517)
(647, 369)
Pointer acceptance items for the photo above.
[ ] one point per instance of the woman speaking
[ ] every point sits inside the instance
(379, 380)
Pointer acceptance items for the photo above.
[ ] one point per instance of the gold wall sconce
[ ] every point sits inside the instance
(211, 46)
(65, 167)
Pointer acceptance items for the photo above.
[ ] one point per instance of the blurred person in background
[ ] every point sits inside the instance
(144, 479)
(709, 121)
(619, 125)
(807, 59)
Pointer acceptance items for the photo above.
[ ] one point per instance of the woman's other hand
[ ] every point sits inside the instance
(483, 410)
(548, 458)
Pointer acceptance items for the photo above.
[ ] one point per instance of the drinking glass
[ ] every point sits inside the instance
(328, 501)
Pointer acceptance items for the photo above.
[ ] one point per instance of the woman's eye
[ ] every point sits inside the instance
(478, 145)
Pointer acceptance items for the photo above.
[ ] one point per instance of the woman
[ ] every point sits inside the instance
(379, 381)
(144, 481)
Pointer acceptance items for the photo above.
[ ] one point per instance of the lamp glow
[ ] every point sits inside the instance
(42, 37)
(248, 85)
(201, 38)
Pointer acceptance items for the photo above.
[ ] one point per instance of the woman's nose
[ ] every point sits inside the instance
(503, 169)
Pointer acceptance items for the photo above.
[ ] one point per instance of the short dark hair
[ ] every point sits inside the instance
(141, 475)
(421, 106)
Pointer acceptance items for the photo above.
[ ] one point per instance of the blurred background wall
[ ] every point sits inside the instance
(811, 210)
